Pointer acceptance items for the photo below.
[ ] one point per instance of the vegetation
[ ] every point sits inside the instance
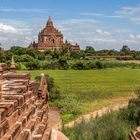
(113, 126)
(132, 114)
(86, 90)
(108, 127)
(32, 59)
(52, 88)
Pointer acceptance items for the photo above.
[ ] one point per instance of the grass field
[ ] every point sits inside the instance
(95, 88)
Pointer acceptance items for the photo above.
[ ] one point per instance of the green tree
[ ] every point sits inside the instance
(63, 63)
(125, 49)
(75, 55)
(8, 55)
(55, 54)
(89, 49)
(32, 65)
(26, 58)
(41, 56)
(32, 52)
(17, 50)
(2, 57)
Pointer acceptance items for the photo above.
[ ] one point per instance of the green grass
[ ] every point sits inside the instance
(107, 127)
(95, 88)
(117, 81)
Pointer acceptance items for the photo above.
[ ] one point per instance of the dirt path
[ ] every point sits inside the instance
(96, 113)
(133, 61)
(54, 122)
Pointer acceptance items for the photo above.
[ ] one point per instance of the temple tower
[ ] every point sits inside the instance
(50, 38)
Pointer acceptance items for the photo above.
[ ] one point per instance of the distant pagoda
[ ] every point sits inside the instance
(50, 39)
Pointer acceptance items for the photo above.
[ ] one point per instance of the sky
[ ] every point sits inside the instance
(103, 24)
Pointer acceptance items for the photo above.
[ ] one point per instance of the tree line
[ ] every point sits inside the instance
(61, 59)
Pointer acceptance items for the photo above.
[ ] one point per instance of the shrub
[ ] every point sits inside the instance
(107, 127)
(63, 63)
(132, 113)
(99, 65)
(70, 105)
(78, 66)
(2, 57)
(33, 65)
(25, 58)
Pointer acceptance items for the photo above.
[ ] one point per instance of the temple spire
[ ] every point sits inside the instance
(13, 65)
(49, 22)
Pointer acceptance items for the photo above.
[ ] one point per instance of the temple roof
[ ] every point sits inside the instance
(50, 29)
(49, 22)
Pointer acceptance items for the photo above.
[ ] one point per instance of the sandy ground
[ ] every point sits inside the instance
(133, 61)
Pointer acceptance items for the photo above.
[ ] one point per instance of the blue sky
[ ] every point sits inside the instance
(103, 24)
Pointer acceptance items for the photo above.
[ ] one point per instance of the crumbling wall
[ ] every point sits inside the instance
(23, 107)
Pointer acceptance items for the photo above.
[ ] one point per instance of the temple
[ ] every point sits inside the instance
(50, 39)
(24, 109)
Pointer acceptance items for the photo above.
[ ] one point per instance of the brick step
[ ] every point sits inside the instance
(21, 123)
(39, 132)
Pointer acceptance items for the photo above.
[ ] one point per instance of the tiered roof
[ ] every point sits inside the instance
(50, 29)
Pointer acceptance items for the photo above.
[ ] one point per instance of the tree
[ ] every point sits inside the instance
(32, 52)
(89, 49)
(75, 55)
(8, 55)
(26, 58)
(79, 65)
(2, 57)
(125, 49)
(17, 50)
(41, 56)
(33, 65)
(63, 63)
(55, 54)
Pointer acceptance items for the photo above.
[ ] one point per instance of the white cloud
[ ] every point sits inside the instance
(23, 10)
(96, 34)
(7, 28)
(130, 13)
(3, 39)
(138, 36)
(82, 31)
(79, 21)
(135, 20)
(14, 32)
(129, 10)
(134, 37)
(102, 32)
(92, 14)
(131, 36)
(104, 40)
(100, 15)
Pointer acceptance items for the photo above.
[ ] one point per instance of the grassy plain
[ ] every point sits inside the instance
(95, 88)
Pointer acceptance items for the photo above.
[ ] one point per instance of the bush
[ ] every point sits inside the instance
(107, 127)
(25, 58)
(63, 63)
(2, 57)
(70, 105)
(132, 113)
(33, 65)
(99, 65)
(78, 66)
